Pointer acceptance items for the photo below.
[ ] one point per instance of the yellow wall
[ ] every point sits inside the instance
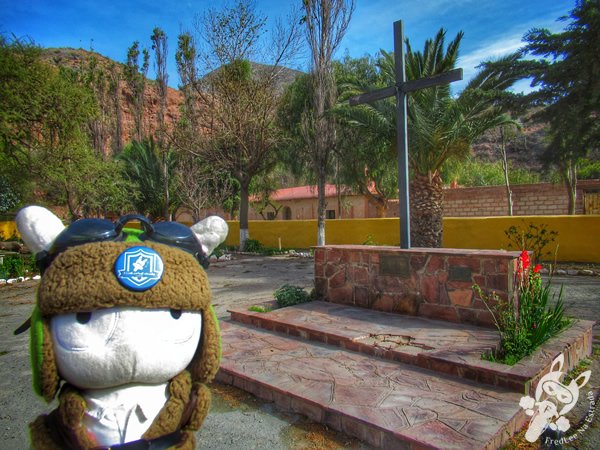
(8, 229)
(578, 236)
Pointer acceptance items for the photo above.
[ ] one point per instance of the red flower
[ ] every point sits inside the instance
(537, 268)
(525, 261)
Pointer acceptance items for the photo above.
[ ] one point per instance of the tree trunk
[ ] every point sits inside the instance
(118, 130)
(426, 211)
(322, 208)
(381, 209)
(244, 234)
(570, 176)
(505, 169)
(166, 186)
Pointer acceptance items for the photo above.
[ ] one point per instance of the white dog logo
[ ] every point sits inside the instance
(556, 395)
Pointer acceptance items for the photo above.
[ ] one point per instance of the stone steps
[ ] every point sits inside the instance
(392, 381)
(386, 404)
(446, 347)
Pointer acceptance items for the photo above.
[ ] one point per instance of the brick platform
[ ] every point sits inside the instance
(434, 283)
(392, 381)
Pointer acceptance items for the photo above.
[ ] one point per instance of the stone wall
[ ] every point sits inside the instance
(528, 200)
(434, 283)
(543, 199)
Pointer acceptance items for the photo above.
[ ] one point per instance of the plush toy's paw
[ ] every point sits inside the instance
(41, 435)
(187, 441)
(200, 411)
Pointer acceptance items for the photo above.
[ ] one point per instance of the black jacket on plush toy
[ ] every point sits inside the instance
(123, 332)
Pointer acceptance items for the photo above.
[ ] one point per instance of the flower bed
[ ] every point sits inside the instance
(526, 320)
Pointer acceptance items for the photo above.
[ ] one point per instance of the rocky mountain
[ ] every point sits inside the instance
(79, 59)
(524, 147)
(120, 109)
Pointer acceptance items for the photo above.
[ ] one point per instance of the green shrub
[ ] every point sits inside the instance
(14, 266)
(222, 249)
(589, 170)
(531, 237)
(480, 173)
(252, 246)
(288, 295)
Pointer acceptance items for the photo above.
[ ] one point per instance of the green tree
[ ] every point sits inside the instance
(369, 163)
(241, 98)
(185, 57)
(44, 134)
(159, 45)
(135, 77)
(143, 166)
(566, 74)
(102, 79)
(8, 198)
(326, 23)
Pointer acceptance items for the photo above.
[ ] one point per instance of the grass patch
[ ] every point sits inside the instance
(583, 365)
(260, 309)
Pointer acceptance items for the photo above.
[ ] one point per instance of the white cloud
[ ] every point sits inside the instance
(489, 51)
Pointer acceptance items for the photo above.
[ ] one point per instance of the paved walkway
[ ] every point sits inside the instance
(234, 423)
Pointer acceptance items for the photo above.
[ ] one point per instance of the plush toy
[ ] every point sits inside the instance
(123, 331)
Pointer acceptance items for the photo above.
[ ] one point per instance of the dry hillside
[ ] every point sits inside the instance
(524, 149)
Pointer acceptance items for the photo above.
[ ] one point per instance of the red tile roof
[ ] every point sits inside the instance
(303, 192)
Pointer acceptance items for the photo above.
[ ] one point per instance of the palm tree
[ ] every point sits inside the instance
(440, 126)
(146, 168)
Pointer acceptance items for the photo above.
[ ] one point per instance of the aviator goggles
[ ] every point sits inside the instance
(84, 231)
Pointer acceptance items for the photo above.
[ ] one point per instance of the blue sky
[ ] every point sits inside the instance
(492, 28)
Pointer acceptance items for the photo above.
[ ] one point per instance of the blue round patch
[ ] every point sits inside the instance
(139, 268)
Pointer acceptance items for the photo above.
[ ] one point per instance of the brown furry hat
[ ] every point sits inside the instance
(82, 279)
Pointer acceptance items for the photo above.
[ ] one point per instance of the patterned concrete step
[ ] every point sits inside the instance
(387, 404)
(445, 347)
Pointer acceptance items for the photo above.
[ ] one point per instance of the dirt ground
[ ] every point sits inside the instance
(237, 420)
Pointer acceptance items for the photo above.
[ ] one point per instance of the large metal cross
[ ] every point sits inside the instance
(400, 89)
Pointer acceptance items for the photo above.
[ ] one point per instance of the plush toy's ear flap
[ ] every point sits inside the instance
(38, 227)
(206, 361)
(43, 361)
(210, 232)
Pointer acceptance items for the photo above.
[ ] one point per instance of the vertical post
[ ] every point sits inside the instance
(402, 135)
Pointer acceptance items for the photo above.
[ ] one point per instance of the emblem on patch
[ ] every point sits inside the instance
(139, 268)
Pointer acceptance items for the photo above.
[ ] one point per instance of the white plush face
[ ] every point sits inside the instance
(116, 346)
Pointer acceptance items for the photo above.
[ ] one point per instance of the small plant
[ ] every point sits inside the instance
(260, 309)
(252, 246)
(219, 251)
(370, 240)
(288, 295)
(533, 237)
(525, 327)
